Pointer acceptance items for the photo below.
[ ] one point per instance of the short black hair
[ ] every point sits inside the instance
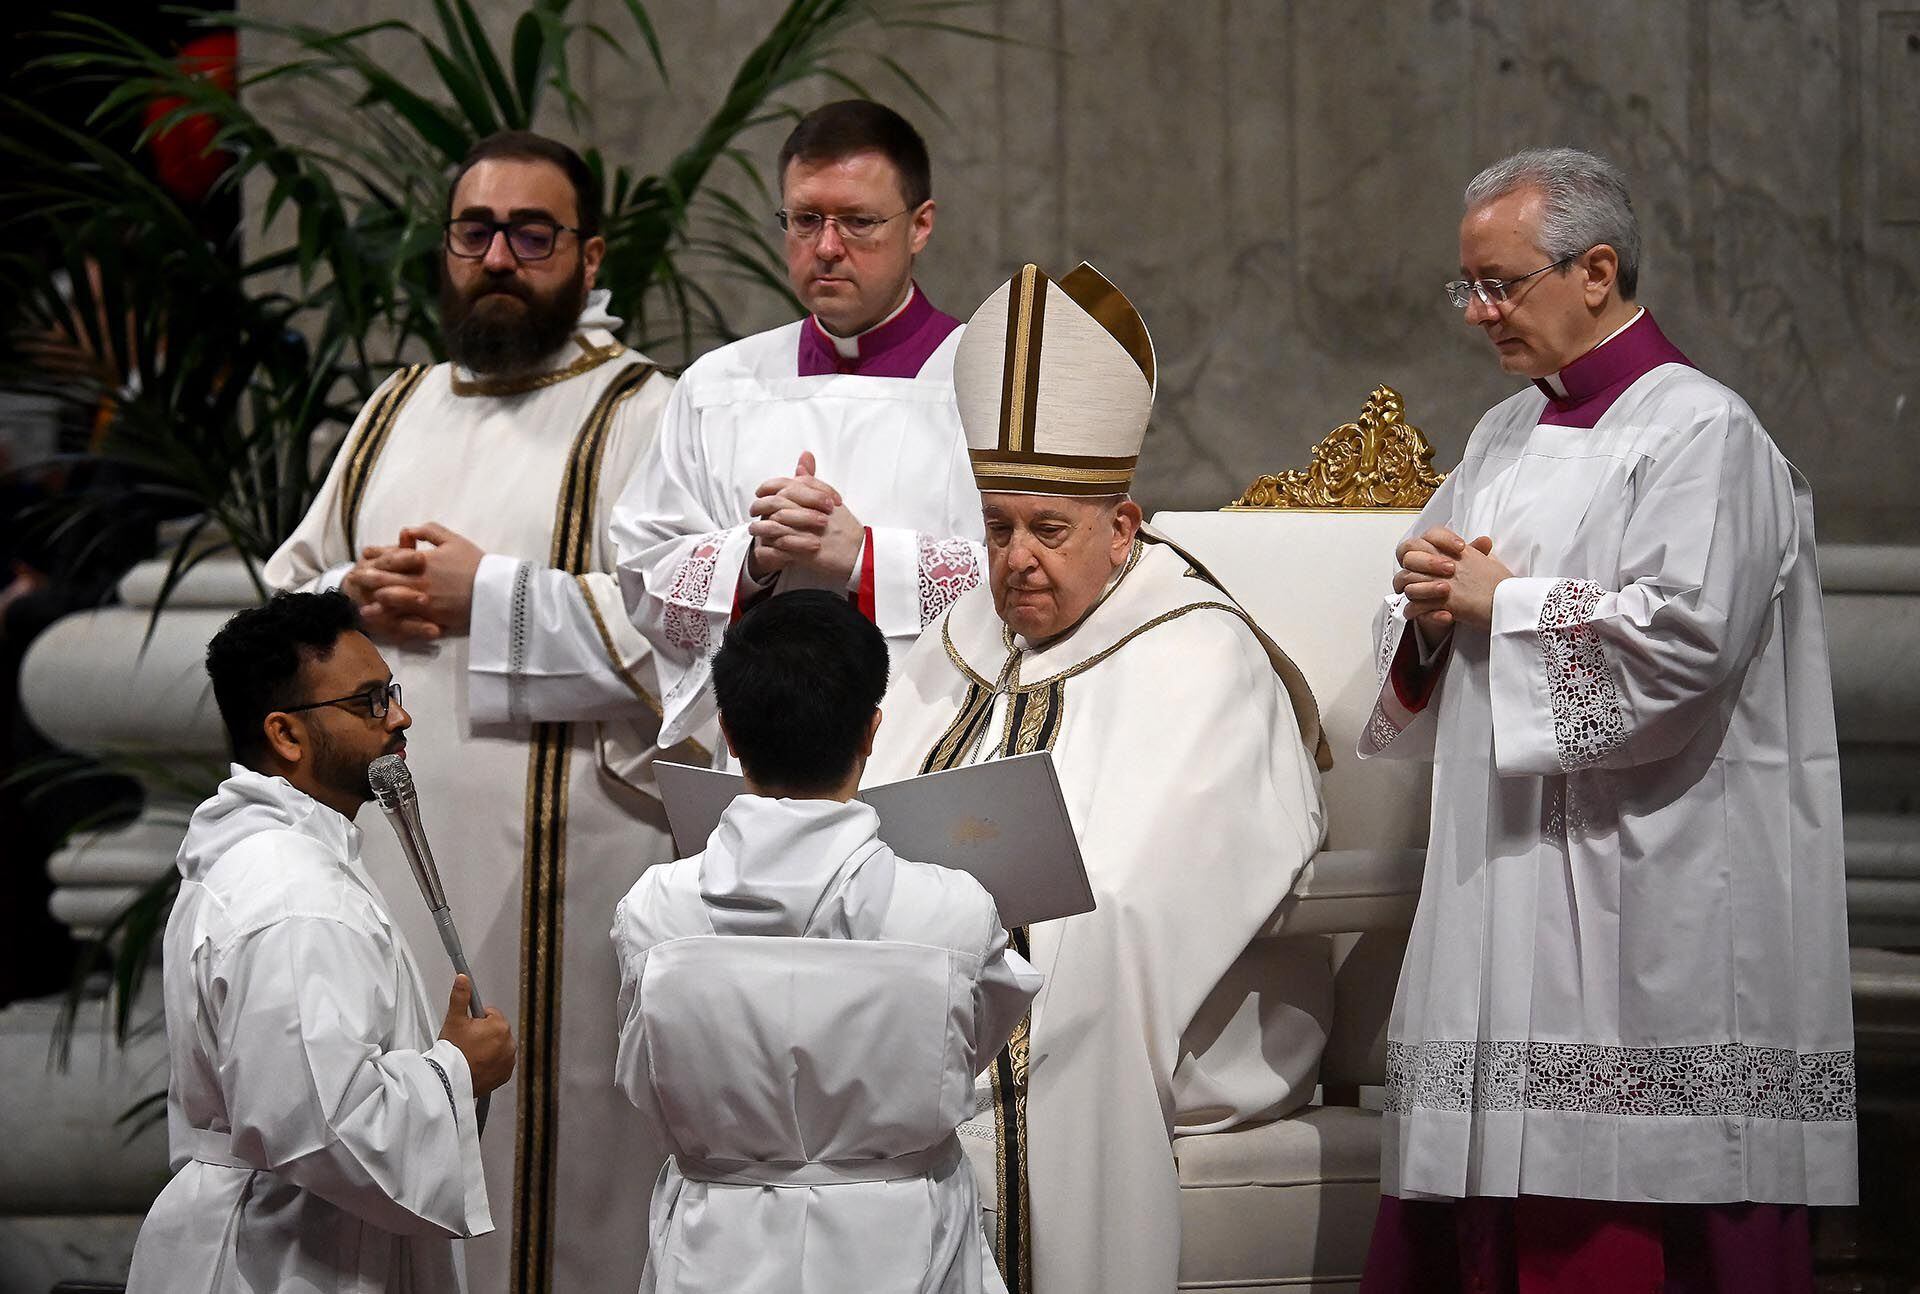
(526, 146)
(798, 678)
(254, 661)
(852, 126)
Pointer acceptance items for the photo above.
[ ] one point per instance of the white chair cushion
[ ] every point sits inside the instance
(1288, 1204)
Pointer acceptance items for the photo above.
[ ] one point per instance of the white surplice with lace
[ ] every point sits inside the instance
(740, 416)
(1628, 974)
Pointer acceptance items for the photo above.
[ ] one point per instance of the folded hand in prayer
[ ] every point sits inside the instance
(1447, 580)
(800, 520)
(409, 594)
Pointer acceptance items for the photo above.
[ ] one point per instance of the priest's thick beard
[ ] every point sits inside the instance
(488, 333)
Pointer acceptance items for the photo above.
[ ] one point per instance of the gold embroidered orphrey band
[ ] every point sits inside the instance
(1020, 373)
(591, 357)
(365, 450)
(1033, 723)
(543, 883)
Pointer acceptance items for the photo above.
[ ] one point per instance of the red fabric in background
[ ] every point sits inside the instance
(1541, 1245)
(181, 155)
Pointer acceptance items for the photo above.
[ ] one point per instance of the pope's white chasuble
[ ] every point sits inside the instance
(884, 433)
(1196, 804)
(530, 745)
(1627, 978)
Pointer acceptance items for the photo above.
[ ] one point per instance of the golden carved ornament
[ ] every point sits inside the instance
(1381, 461)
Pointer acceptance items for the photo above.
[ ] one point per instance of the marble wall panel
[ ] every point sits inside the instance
(1276, 184)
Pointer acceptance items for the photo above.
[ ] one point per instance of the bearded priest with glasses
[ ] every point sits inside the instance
(826, 453)
(1621, 1054)
(466, 516)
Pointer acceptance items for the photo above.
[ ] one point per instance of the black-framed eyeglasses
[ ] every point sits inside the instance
(809, 225)
(1493, 292)
(377, 699)
(528, 240)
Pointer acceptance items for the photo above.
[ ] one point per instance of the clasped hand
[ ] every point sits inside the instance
(801, 521)
(407, 594)
(1448, 581)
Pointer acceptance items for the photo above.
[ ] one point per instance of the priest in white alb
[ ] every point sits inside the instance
(1186, 746)
(466, 514)
(1621, 1055)
(822, 454)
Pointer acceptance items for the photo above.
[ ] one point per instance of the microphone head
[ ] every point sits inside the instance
(391, 780)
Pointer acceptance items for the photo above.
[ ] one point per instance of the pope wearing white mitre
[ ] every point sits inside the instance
(1186, 746)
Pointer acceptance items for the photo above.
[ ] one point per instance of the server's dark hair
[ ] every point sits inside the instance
(798, 678)
(851, 126)
(526, 146)
(254, 661)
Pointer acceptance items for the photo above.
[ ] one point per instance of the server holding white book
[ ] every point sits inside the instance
(802, 1011)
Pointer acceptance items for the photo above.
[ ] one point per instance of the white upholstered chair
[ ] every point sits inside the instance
(1289, 1205)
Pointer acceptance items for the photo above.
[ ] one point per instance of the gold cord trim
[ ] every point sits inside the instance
(1117, 477)
(542, 906)
(592, 358)
(543, 887)
(613, 654)
(573, 519)
(366, 451)
(1028, 305)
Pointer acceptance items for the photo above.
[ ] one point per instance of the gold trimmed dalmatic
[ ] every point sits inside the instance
(1196, 802)
(535, 840)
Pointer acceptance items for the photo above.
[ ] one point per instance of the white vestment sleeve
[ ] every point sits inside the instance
(679, 563)
(549, 647)
(1402, 723)
(315, 556)
(917, 576)
(1585, 675)
(311, 1092)
(633, 1065)
(1002, 995)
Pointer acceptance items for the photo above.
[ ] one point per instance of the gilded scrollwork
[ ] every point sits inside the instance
(1379, 461)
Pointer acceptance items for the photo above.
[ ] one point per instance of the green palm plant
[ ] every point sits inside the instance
(231, 364)
(214, 370)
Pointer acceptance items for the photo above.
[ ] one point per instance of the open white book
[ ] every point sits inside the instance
(1003, 822)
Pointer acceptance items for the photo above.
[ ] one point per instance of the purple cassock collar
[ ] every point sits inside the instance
(897, 348)
(1595, 380)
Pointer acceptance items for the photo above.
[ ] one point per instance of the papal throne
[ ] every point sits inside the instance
(1289, 1205)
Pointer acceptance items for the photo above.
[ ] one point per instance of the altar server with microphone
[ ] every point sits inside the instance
(321, 1136)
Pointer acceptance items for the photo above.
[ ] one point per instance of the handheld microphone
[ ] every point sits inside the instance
(392, 783)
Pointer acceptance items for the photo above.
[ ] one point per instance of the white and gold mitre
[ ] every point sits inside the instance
(1055, 383)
